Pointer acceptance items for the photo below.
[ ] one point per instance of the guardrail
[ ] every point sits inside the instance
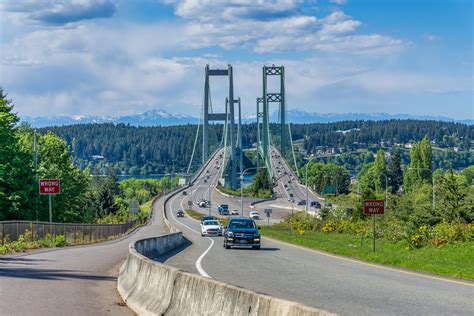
(152, 288)
(74, 233)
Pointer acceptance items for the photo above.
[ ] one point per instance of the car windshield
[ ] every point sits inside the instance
(242, 224)
(211, 223)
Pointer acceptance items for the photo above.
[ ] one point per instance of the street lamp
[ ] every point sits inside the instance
(433, 182)
(242, 187)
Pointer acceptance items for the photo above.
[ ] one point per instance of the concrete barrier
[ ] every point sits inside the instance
(152, 288)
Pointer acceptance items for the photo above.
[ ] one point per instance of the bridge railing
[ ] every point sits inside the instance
(75, 234)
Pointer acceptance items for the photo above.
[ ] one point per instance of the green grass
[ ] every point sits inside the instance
(146, 207)
(198, 216)
(454, 260)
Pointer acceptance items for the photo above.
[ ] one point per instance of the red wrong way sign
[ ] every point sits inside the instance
(49, 186)
(374, 207)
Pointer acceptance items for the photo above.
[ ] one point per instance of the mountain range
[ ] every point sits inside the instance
(162, 117)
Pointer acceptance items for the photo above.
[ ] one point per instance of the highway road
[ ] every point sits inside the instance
(314, 278)
(78, 280)
(82, 280)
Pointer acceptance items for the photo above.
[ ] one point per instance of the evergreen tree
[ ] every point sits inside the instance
(16, 176)
(454, 198)
(262, 181)
(394, 171)
(108, 189)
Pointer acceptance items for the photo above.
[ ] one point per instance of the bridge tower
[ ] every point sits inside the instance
(228, 117)
(263, 132)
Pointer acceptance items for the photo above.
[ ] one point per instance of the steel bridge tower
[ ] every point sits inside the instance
(228, 117)
(263, 129)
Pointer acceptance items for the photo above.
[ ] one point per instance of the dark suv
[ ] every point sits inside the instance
(240, 232)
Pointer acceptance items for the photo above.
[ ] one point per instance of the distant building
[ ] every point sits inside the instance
(97, 157)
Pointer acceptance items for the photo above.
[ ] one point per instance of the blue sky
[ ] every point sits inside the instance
(117, 57)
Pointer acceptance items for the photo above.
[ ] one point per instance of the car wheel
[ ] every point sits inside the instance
(202, 235)
(256, 247)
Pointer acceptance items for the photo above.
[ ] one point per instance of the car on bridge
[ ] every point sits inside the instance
(180, 213)
(242, 232)
(223, 209)
(202, 203)
(302, 202)
(315, 204)
(211, 228)
(207, 218)
(234, 212)
(254, 215)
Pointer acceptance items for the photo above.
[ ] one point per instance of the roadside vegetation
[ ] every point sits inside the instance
(452, 260)
(84, 198)
(428, 221)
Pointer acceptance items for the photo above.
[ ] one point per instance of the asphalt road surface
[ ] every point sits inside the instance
(314, 278)
(78, 280)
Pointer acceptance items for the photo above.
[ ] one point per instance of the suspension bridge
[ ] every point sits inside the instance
(231, 140)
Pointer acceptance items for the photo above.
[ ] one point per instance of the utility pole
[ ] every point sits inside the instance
(36, 172)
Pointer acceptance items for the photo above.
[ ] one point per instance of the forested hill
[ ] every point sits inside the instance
(147, 150)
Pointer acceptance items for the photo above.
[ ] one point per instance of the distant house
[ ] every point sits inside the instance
(97, 157)
(408, 145)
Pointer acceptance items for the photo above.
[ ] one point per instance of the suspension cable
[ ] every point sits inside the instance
(293, 150)
(197, 136)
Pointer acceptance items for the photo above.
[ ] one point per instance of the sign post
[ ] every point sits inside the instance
(374, 207)
(268, 211)
(50, 187)
(133, 206)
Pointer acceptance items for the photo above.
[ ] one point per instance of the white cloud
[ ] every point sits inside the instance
(340, 2)
(109, 68)
(431, 37)
(216, 23)
(61, 12)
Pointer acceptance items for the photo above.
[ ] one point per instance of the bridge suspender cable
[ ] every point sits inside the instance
(293, 150)
(196, 138)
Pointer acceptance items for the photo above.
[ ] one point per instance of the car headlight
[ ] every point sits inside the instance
(230, 234)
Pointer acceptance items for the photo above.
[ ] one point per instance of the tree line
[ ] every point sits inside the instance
(162, 149)
(84, 198)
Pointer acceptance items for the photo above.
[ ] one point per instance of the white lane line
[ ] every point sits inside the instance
(199, 260)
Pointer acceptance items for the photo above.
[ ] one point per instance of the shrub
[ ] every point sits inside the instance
(446, 233)
(329, 227)
(60, 241)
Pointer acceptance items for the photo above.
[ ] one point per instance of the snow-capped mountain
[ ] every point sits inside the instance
(162, 117)
(149, 118)
(302, 116)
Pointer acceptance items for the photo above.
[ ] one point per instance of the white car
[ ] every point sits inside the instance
(254, 215)
(211, 228)
(234, 212)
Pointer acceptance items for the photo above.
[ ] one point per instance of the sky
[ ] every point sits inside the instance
(121, 57)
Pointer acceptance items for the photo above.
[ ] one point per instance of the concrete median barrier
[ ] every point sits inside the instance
(152, 288)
